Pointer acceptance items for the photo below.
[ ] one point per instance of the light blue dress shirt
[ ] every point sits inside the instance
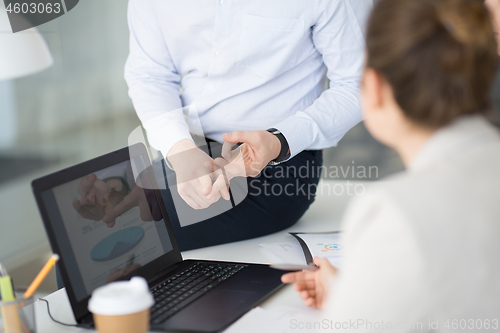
(211, 67)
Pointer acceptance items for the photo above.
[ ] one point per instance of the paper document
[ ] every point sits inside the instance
(286, 252)
(325, 245)
(307, 246)
(281, 319)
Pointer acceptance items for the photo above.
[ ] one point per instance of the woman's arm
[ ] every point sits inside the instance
(382, 277)
(383, 273)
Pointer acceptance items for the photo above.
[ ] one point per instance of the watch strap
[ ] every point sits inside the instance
(285, 149)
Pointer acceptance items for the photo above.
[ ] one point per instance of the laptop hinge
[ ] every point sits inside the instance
(86, 321)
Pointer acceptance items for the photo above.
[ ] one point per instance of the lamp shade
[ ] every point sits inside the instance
(21, 53)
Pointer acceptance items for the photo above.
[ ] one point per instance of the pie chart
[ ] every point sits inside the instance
(332, 247)
(117, 244)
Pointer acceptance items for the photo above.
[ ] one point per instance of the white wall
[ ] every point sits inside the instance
(22, 235)
(85, 85)
(8, 117)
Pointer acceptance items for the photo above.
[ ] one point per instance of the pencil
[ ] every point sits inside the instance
(41, 276)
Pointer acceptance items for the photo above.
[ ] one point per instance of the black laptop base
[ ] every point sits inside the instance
(184, 288)
(227, 301)
(212, 305)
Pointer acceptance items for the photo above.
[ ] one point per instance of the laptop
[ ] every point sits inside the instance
(190, 295)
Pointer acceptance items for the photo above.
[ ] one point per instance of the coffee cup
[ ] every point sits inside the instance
(122, 306)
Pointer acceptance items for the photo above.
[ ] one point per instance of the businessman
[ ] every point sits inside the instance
(248, 72)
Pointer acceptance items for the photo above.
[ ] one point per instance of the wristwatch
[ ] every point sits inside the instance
(285, 149)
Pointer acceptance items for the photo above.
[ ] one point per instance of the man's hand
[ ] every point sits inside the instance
(144, 198)
(106, 201)
(258, 149)
(97, 197)
(312, 286)
(194, 171)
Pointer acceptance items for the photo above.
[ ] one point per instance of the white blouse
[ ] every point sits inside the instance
(423, 247)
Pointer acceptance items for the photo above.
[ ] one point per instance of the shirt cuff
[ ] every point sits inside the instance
(298, 132)
(165, 138)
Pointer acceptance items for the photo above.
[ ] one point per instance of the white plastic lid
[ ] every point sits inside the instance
(121, 298)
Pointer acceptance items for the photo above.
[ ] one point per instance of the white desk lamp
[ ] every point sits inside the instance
(21, 53)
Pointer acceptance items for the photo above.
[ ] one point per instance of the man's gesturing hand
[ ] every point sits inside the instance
(144, 198)
(258, 149)
(97, 197)
(107, 200)
(194, 171)
(312, 285)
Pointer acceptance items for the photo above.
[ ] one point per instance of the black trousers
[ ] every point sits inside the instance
(276, 200)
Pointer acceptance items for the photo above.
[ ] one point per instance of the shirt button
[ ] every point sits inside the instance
(218, 53)
(223, 2)
(210, 87)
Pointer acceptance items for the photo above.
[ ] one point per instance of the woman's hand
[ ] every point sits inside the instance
(313, 285)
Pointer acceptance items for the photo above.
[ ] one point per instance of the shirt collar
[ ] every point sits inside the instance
(463, 134)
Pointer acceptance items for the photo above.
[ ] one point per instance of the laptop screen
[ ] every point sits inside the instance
(107, 224)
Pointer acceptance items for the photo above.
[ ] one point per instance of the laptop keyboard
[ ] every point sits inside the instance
(182, 289)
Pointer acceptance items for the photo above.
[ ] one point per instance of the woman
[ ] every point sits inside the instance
(424, 246)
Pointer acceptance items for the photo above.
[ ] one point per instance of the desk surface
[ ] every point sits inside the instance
(324, 215)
